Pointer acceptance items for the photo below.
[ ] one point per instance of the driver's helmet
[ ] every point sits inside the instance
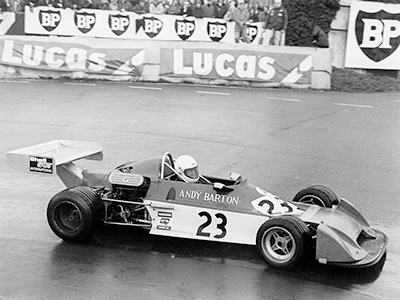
(186, 166)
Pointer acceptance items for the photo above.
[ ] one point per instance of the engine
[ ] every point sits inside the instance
(128, 186)
(125, 198)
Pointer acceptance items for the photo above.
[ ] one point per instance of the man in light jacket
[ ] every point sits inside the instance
(240, 15)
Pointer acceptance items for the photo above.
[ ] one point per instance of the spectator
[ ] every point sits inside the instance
(260, 3)
(72, 4)
(103, 5)
(60, 3)
(16, 5)
(187, 10)
(141, 8)
(114, 5)
(231, 8)
(263, 14)
(127, 5)
(220, 9)
(31, 3)
(253, 16)
(175, 8)
(4, 6)
(275, 25)
(42, 3)
(197, 11)
(240, 15)
(208, 10)
(157, 7)
(166, 4)
(257, 10)
(320, 38)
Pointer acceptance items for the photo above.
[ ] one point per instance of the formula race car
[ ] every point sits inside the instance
(152, 195)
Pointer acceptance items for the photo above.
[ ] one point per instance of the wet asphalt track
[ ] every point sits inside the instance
(282, 140)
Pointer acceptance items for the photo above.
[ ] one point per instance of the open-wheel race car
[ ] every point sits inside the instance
(153, 195)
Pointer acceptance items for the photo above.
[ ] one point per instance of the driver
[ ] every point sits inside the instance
(186, 166)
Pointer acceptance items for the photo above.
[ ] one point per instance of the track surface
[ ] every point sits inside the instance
(282, 140)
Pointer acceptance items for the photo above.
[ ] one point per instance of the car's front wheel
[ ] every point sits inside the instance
(317, 195)
(75, 214)
(283, 242)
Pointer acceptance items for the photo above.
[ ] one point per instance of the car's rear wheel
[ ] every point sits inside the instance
(317, 195)
(75, 214)
(283, 242)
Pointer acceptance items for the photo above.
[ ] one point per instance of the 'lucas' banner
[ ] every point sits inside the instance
(373, 36)
(236, 65)
(126, 25)
(70, 57)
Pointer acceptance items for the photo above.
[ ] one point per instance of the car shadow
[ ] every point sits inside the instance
(139, 241)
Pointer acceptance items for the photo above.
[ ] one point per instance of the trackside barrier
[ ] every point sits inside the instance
(46, 21)
(135, 60)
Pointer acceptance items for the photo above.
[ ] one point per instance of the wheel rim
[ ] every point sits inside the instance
(68, 217)
(279, 245)
(312, 199)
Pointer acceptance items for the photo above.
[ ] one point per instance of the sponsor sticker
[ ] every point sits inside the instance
(41, 164)
(184, 28)
(152, 26)
(164, 220)
(373, 36)
(84, 21)
(251, 32)
(378, 34)
(216, 30)
(49, 19)
(119, 23)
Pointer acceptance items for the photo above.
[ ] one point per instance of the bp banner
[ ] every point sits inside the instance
(70, 57)
(254, 32)
(7, 19)
(236, 65)
(373, 36)
(125, 25)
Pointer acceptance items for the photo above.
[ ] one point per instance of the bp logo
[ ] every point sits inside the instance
(49, 19)
(377, 34)
(118, 23)
(184, 28)
(84, 21)
(251, 32)
(216, 30)
(151, 26)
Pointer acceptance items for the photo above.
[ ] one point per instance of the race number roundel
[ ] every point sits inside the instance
(269, 204)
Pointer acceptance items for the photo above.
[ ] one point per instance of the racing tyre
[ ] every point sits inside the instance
(283, 242)
(317, 195)
(75, 214)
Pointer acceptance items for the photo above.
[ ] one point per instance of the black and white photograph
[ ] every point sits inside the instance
(200, 149)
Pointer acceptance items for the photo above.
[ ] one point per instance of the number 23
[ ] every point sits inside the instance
(221, 226)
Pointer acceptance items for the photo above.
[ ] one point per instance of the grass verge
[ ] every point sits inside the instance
(349, 81)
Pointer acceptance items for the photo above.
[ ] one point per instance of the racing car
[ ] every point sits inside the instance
(152, 195)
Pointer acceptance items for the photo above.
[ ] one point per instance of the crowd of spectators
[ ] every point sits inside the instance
(197, 8)
(270, 12)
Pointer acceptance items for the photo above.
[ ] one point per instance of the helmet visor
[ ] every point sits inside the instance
(192, 173)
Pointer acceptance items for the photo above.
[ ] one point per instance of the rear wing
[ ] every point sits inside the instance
(55, 157)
